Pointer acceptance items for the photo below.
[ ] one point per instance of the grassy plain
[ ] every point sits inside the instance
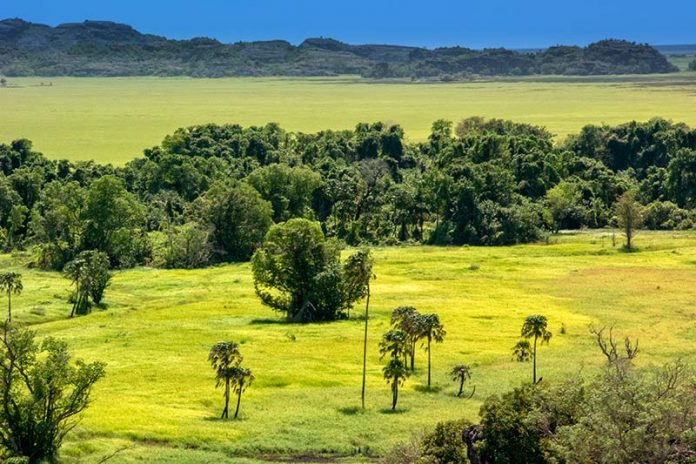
(113, 119)
(158, 402)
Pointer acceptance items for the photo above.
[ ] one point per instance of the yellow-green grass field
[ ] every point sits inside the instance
(158, 403)
(113, 119)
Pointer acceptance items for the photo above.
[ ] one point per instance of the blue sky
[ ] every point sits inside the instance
(482, 23)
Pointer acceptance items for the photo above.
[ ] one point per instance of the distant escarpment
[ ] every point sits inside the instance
(102, 48)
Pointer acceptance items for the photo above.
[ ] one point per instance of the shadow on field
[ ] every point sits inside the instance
(427, 389)
(269, 321)
(351, 410)
(391, 411)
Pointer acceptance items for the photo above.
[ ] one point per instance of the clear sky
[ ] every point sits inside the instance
(481, 23)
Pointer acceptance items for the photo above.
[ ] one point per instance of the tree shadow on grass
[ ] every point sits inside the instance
(269, 321)
(241, 418)
(391, 411)
(351, 410)
(428, 389)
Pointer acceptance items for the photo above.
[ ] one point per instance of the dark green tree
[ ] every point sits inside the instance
(111, 216)
(461, 373)
(239, 218)
(630, 216)
(42, 394)
(433, 331)
(90, 275)
(409, 320)
(226, 360)
(535, 327)
(298, 272)
(11, 284)
(241, 379)
(288, 189)
(394, 344)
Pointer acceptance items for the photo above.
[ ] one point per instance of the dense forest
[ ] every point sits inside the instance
(98, 48)
(210, 193)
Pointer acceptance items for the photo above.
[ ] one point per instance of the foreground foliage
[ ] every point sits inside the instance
(41, 394)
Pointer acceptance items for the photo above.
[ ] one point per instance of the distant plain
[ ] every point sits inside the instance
(113, 119)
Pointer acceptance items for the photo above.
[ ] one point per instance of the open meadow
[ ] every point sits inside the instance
(158, 401)
(113, 119)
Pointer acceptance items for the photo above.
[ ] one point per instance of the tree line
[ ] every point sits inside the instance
(210, 193)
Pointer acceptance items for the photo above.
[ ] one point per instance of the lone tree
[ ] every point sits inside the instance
(226, 359)
(432, 330)
(630, 215)
(3, 81)
(42, 394)
(298, 272)
(394, 344)
(408, 319)
(535, 327)
(10, 283)
(358, 273)
(461, 373)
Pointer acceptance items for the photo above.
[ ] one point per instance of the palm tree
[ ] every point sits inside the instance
(77, 271)
(10, 282)
(407, 318)
(536, 327)
(225, 358)
(522, 351)
(396, 373)
(394, 343)
(358, 273)
(460, 373)
(432, 330)
(241, 378)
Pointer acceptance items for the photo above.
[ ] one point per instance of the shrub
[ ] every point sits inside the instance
(665, 215)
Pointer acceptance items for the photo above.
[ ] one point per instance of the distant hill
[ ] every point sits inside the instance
(102, 48)
(672, 50)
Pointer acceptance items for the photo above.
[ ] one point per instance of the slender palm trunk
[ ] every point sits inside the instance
(239, 400)
(9, 306)
(395, 393)
(225, 412)
(364, 372)
(429, 338)
(534, 363)
(461, 386)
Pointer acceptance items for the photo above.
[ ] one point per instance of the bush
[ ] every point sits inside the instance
(443, 445)
(665, 215)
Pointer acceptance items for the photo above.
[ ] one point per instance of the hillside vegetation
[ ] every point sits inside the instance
(99, 48)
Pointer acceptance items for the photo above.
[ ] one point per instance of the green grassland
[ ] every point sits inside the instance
(113, 119)
(158, 402)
